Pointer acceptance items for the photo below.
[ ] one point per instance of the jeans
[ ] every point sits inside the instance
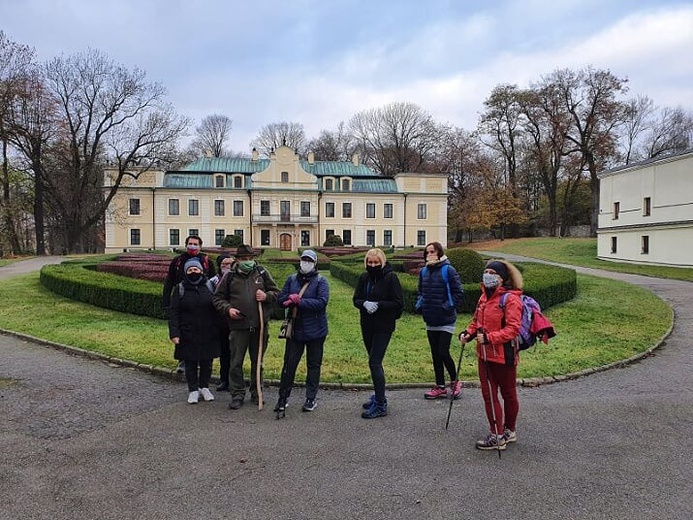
(376, 344)
(440, 353)
(240, 342)
(194, 379)
(292, 357)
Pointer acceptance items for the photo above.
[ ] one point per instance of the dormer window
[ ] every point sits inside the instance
(218, 181)
(329, 184)
(346, 184)
(238, 181)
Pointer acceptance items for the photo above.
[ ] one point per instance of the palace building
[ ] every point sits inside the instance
(283, 202)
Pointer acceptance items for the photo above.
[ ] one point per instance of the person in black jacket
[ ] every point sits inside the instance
(224, 264)
(193, 327)
(439, 298)
(310, 329)
(378, 296)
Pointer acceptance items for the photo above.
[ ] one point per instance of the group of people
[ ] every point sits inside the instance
(226, 315)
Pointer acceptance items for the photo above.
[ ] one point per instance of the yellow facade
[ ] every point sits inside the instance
(283, 202)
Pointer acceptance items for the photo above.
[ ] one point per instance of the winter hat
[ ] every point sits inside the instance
(221, 258)
(193, 262)
(500, 269)
(244, 250)
(310, 255)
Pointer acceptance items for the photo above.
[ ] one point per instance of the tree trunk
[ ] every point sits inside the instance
(8, 217)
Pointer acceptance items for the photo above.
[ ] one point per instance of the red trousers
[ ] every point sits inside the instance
(503, 377)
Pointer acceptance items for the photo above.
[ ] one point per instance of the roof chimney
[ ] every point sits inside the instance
(255, 155)
(311, 158)
(355, 159)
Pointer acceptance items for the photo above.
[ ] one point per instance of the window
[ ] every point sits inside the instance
(194, 231)
(305, 238)
(646, 206)
(219, 181)
(421, 211)
(346, 210)
(237, 208)
(238, 233)
(346, 237)
(219, 208)
(645, 244)
(193, 207)
(135, 237)
(285, 210)
(345, 184)
(265, 208)
(238, 181)
(329, 209)
(329, 233)
(370, 210)
(329, 184)
(421, 237)
(305, 208)
(173, 207)
(387, 237)
(370, 237)
(617, 209)
(174, 237)
(285, 177)
(134, 206)
(387, 211)
(264, 237)
(219, 236)
(613, 244)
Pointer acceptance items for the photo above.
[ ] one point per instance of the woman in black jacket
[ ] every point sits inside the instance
(193, 327)
(378, 296)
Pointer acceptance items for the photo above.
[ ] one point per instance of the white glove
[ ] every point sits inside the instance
(371, 307)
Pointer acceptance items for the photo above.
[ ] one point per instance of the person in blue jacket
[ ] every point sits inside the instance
(438, 302)
(309, 330)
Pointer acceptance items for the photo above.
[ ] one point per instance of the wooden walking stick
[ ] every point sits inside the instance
(258, 367)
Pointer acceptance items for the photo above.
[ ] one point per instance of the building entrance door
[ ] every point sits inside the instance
(285, 242)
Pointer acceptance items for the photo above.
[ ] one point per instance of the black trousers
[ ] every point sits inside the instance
(439, 342)
(292, 356)
(198, 373)
(376, 345)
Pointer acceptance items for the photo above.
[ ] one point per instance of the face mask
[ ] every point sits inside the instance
(247, 265)
(490, 280)
(374, 270)
(194, 278)
(225, 269)
(306, 266)
(432, 258)
(192, 250)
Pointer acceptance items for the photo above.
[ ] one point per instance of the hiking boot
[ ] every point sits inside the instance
(223, 387)
(456, 389)
(509, 436)
(236, 402)
(436, 392)
(309, 405)
(193, 397)
(376, 410)
(491, 442)
(369, 403)
(280, 408)
(180, 369)
(206, 394)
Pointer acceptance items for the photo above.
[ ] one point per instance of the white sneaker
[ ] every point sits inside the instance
(193, 397)
(206, 394)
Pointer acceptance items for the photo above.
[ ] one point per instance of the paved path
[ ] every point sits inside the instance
(82, 440)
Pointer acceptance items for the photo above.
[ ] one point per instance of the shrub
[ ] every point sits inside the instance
(232, 241)
(468, 263)
(333, 241)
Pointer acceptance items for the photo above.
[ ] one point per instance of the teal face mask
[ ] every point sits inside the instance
(247, 265)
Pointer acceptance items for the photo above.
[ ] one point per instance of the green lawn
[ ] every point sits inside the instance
(626, 319)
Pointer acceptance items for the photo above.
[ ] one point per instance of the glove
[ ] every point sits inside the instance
(370, 307)
(295, 299)
(287, 303)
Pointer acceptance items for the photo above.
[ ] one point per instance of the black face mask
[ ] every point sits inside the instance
(194, 278)
(374, 270)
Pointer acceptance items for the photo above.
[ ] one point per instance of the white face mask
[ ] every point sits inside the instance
(306, 266)
(490, 280)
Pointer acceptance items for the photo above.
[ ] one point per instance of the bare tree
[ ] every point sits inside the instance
(671, 132)
(213, 135)
(336, 145)
(15, 62)
(274, 135)
(110, 115)
(638, 113)
(398, 137)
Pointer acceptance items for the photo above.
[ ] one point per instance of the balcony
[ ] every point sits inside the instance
(283, 218)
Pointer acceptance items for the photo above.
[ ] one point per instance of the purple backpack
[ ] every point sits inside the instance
(526, 338)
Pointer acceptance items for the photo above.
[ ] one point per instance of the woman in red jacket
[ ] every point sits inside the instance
(496, 330)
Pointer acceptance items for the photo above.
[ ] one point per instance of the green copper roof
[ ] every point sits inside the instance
(337, 169)
(187, 180)
(227, 165)
(374, 186)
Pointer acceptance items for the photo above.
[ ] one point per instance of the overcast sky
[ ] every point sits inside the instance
(318, 62)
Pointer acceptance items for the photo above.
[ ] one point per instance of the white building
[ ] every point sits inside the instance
(646, 212)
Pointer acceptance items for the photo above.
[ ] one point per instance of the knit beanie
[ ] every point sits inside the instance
(500, 269)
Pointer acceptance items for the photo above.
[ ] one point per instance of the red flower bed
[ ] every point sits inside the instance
(145, 266)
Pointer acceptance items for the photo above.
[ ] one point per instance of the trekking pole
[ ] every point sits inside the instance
(490, 395)
(452, 393)
(258, 367)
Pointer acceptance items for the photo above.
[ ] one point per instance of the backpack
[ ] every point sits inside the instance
(530, 326)
(181, 288)
(444, 272)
